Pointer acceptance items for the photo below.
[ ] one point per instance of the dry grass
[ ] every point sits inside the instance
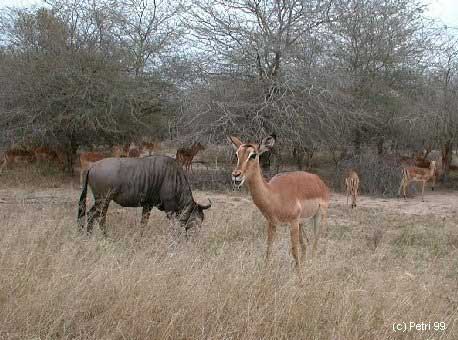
(58, 284)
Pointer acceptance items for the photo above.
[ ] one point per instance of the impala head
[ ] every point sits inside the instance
(197, 146)
(248, 158)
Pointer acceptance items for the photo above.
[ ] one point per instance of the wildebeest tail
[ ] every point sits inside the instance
(82, 202)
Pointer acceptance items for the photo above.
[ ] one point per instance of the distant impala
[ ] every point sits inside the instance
(185, 155)
(413, 174)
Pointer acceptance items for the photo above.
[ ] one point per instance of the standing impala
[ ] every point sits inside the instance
(286, 198)
(413, 174)
(352, 185)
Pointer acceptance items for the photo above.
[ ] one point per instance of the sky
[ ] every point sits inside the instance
(444, 10)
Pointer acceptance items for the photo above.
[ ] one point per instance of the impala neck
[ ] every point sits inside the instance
(259, 189)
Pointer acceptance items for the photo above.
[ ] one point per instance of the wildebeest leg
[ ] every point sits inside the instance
(423, 191)
(103, 218)
(93, 214)
(145, 217)
(295, 228)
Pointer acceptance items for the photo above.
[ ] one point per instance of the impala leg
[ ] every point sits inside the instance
(271, 231)
(317, 219)
(295, 237)
(3, 166)
(301, 240)
(423, 191)
(357, 188)
(355, 195)
(434, 183)
(404, 187)
(324, 219)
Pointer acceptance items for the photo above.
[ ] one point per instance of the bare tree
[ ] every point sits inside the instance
(254, 37)
(147, 29)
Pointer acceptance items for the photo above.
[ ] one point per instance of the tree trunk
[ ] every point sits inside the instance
(310, 154)
(446, 160)
(297, 155)
(380, 143)
(357, 142)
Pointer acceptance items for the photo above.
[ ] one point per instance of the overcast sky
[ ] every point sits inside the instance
(444, 10)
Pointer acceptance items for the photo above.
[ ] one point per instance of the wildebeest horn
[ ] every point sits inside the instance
(206, 206)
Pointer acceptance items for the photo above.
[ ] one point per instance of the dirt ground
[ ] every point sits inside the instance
(441, 203)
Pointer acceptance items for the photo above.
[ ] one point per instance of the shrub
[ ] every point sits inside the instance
(377, 175)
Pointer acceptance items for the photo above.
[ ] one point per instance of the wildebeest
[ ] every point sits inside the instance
(86, 161)
(154, 181)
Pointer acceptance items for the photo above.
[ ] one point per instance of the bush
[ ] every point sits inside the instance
(210, 179)
(377, 175)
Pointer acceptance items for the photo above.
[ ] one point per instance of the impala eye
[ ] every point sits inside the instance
(253, 156)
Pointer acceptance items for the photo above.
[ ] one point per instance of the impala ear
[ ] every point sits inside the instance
(267, 143)
(235, 142)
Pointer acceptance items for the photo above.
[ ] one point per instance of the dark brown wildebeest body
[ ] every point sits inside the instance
(155, 181)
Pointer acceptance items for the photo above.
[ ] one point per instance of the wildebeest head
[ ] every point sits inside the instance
(193, 216)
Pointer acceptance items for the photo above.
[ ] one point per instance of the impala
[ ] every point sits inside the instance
(413, 174)
(148, 149)
(44, 154)
(185, 156)
(288, 198)
(119, 151)
(134, 150)
(352, 185)
(16, 156)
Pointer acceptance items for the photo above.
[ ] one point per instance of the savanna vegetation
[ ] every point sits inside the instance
(361, 84)
(376, 265)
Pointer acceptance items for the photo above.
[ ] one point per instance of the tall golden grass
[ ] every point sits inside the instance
(374, 268)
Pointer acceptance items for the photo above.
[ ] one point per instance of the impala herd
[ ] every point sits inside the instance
(288, 198)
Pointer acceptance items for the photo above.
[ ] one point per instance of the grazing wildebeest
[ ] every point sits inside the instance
(154, 181)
